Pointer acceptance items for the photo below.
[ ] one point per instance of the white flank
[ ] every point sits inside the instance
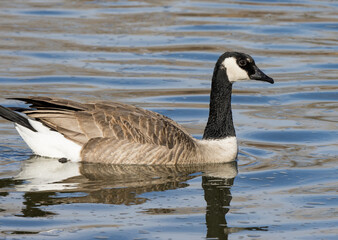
(48, 143)
(234, 72)
(219, 151)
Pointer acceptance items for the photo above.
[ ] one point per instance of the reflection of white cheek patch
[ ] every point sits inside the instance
(234, 72)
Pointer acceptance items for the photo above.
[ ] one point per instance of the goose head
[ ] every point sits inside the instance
(235, 66)
(231, 67)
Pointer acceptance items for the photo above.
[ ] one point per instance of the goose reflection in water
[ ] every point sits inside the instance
(68, 183)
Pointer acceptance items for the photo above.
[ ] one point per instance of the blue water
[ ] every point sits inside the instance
(160, 55)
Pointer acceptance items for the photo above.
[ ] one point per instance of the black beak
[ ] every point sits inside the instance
(260, 76)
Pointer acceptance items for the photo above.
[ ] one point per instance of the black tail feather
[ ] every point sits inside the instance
(12, 116)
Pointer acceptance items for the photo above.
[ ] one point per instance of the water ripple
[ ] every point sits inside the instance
(160, 55)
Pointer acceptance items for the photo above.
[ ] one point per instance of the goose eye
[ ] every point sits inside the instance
(242, 63)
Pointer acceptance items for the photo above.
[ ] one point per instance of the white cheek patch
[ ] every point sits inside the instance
(234, 72)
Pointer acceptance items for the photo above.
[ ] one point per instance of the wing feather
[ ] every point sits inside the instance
(108, 120)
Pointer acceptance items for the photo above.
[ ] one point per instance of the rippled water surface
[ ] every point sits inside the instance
(160, 55)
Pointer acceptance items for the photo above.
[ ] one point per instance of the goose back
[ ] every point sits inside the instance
(115, 132)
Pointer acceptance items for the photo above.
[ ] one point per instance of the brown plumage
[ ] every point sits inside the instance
(112, 132)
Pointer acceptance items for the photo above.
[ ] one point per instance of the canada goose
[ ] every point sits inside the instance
(118, 133)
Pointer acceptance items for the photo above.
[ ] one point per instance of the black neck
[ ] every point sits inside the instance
(220, 124)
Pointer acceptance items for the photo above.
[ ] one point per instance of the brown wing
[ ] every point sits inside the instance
(82, 122)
